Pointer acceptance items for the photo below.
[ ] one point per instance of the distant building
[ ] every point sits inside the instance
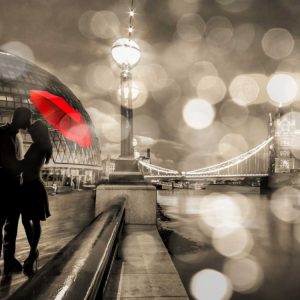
(109, 166)
(70, 162)
(147, 157)
(285, 134)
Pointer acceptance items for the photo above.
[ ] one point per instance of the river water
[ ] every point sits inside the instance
(232, 245)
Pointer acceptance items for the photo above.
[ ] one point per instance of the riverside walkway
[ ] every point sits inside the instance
(143, 268)
(70, 213)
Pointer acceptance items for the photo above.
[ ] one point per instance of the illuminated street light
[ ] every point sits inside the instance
(126, 54)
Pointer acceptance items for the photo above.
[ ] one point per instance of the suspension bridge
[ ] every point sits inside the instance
(253, 163)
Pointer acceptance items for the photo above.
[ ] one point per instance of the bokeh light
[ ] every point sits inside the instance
(110, 128)
(105, 25)
(244, 90)
(191, 27)
(180, 48)
(153, 76)
(232, 240)
(107, 125)
(84, 23)
(235, 6)
(246, 207)
(139, 94)
(282, 89)
(211, 88)
(198, 113)
(101, 79)
(99, 24)
(219, 31)
(203, 143)
(169, 93)
(22, 50)
(178, 7)
(231, 145)
(232, 114)
(201, 69)
(289, 65)
(244, 35)
(219, 210)
(245, 274)
(284, 204)
(262, 82)
(209, 284)
(278, 43)
(141, 240)
(255, 129)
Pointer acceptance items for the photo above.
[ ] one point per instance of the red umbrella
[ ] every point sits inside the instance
(62, 116)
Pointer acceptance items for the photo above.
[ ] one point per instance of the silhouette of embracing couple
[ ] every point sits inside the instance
(21, 188)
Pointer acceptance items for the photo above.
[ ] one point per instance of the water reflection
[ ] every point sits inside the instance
(239, 236)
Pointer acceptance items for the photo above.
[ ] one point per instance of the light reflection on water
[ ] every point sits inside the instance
(237, 235)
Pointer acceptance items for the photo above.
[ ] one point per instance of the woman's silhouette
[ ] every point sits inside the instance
(35, 206)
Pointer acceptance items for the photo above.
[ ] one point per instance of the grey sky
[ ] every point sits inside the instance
(60, 41)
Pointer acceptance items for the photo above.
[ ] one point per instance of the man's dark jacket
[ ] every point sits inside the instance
(10, 166)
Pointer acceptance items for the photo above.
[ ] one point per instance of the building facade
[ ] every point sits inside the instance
(285, 134)
(70, 164)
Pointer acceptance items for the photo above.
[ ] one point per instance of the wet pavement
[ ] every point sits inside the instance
(70, 213)
(144, 269)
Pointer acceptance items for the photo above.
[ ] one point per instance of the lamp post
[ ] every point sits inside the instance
(126, 53)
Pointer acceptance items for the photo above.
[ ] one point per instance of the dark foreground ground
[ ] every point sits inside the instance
(70, 213)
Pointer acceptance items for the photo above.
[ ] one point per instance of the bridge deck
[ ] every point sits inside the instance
(145, 269)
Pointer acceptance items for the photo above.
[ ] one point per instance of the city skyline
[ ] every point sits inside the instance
(190, 50)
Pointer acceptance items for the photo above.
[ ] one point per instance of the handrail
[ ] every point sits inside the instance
(81, 269)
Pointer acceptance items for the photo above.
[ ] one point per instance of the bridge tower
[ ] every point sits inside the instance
(284, 133)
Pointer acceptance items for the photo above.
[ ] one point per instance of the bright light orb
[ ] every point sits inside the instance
(198, 113)
(232, 240)
(284, 204)
(212, 88)
(210, 285)
(245, 274)
(200, 70)
(278, 43)
(282, 89)
(137, 92)
(219, 210)
(132, 91)
(232, 144)
(191, 27)
(244, 90)
(126, 53)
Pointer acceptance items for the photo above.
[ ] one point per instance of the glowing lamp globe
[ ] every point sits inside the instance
(126, 53)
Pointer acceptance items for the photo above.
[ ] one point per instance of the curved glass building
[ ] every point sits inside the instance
(71, 165)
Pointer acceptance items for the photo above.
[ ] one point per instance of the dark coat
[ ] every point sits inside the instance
(10, 167)
(34, 203)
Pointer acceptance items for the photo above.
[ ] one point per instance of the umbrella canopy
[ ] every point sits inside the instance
(68, 121)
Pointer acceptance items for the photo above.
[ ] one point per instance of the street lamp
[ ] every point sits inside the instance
(126, 53)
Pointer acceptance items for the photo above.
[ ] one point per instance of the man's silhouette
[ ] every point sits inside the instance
(10, 170)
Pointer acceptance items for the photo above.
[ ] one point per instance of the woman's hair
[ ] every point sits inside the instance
(40, 135)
